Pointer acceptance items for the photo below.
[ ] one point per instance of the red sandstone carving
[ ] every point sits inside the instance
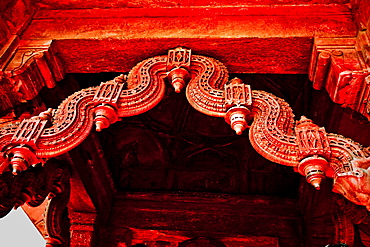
(29, 131)
(238, 97)
(205, 92)
(19, 152)
(314, 151)
(339, 67)
(178, 65)
(178, 78)
(110, 91)
(106, 97)
(355, 184)
(31, 186)
(178, 57)
(30, 65)
(105, 115)
(273, 133)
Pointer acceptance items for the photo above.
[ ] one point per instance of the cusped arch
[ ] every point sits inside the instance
(273, 132)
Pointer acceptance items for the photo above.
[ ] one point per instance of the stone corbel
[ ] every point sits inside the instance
(26, 67)
(342, 67)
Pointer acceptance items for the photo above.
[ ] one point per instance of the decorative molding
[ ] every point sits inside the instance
(26, 67)
(273, 133)
(342, 67)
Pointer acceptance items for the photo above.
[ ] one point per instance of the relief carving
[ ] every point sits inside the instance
(341, 66)
(273, 132)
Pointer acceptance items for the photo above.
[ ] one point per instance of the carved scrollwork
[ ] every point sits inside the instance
(273, 132)
(144, 88)
(205, 91)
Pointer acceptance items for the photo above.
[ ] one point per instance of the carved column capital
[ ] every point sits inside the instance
(27, 67)
(342, 67)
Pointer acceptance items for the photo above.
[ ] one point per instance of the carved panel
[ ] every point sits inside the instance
(179, 57)
(29, 131)
(311, 139)
(109, 92)
(237, 93)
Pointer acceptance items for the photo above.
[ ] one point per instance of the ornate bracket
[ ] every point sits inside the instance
(55, 223)
(342, 67)
(31, 186)
(20, 153)
(28, 67)
(273, 133)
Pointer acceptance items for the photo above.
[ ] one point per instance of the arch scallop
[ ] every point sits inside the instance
(273, 132)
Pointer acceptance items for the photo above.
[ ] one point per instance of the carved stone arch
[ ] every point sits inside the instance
(202, 242)
(273, 132)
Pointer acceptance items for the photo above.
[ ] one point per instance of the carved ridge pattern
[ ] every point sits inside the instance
(344, 150)
(145, 82)
(205, 92)
(55, 228)
(73, 122)
(271, 133)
